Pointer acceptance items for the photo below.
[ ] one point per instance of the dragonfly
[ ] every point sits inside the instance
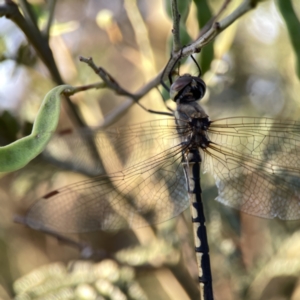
(155, 166)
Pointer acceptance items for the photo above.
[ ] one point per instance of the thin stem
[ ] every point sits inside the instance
(97, 85)
(176, 27)
(214, 18)
(112, 84)
(210, 34)
(11, 11)
(28, 13)
(194, 47)
(223, 8)
(109, 81)
(126, 105)
(51, 9)
(186, 51)
(241, 10)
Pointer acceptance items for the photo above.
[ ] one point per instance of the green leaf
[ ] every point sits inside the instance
(293, 27)
(19, 153)
(203, 16)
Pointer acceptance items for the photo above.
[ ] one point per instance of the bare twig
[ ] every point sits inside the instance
(222, 8)
(97, 85)
(112, 84)
(109, 81)
(210, 34)
(214, 18)
(28, 14)
(11, 11)
(241, 10)
(51, 9)
(126, 105)
(194, 47)
(176, 27)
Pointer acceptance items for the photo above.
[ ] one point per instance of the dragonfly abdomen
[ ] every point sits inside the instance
(192, 165)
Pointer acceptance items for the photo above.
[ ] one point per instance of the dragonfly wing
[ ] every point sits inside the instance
(151, 191)
(256, 165)
(94, 151)
(74, 150)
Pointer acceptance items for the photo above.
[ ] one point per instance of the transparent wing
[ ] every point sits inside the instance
(94, 151)
(256, 165)
(151, 188)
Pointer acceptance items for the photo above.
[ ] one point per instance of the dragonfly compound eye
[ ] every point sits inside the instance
(187, 88)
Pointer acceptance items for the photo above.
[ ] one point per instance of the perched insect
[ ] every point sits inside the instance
(255, 163)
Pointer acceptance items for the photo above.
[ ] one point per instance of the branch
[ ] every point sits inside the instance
(241, 10)
(210, 34)
(109, 81)
(194, 47)
(28, 14)
(11, 11)
(51, 8)
(112, 84)
(97, 85)
(208, 25)
(176, 27)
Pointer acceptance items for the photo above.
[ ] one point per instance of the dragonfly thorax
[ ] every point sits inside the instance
(193, 123)
(187, 111)
(194, 138)
(199, 137)
(191, 118)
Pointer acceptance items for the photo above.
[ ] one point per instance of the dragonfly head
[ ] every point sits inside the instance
(187, 88)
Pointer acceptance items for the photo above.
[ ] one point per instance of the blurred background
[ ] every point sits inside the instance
(250, 70)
